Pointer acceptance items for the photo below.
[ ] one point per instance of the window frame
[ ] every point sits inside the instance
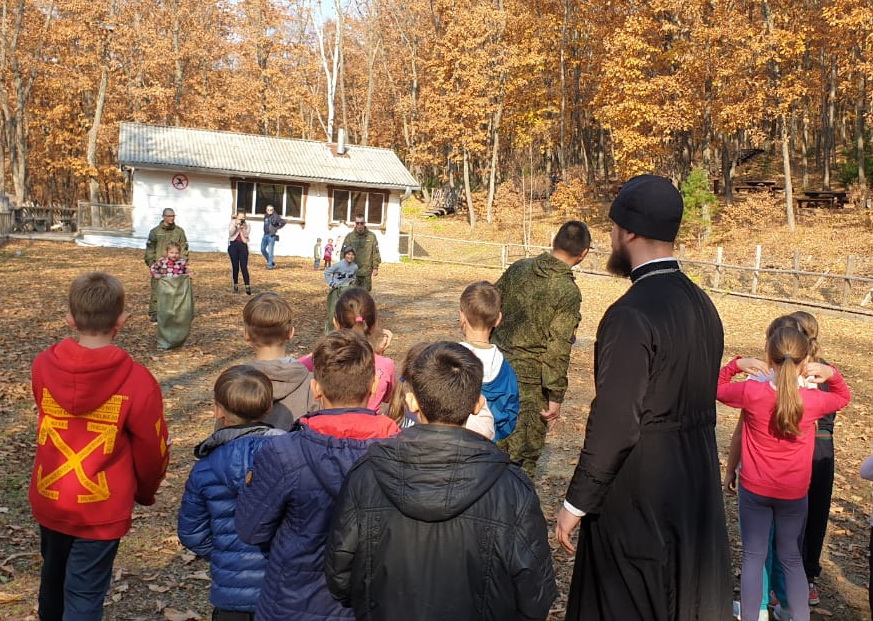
(282, 209)
(351, 210)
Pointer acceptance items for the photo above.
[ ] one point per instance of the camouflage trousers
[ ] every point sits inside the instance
(364, 281)
(525, 444)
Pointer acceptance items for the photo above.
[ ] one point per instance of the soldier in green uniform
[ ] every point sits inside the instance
(156, 247)
(540, 314)
(367, 254)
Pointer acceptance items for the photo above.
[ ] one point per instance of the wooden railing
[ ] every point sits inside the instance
(845, 289)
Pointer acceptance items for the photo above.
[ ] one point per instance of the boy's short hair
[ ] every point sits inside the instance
(480, 303)
(446, 379)
(96, 301)
(244, 392)
(175, 245)
(344, 366)
(268, 319)
(573, 238)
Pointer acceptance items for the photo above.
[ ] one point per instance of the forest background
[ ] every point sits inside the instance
(584, 92)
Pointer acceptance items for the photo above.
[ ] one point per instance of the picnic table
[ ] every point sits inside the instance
(754, 185)
(823, 198)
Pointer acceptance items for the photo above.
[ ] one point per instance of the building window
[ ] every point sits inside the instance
(346, 204)
(252, 197)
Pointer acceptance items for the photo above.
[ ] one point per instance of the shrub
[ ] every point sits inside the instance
(699, 205)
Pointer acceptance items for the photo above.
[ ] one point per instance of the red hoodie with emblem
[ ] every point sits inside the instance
(101, 440)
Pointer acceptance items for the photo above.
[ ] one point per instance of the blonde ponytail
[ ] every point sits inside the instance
(789, 406)
(787, 349)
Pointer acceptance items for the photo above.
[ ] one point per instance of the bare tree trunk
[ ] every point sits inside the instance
(178, 67)
(371, 87)
(467, 192)
(15, 121)
(562, 149)
(859, 131)
(331, 67)
(492, 173)
(804, 162)
(727, 169)
(786, 167)
(91, 153)
(828, 129)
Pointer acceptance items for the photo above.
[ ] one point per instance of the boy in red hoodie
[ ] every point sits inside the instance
(101, 446)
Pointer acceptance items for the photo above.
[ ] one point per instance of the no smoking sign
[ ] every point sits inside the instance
(180, 181)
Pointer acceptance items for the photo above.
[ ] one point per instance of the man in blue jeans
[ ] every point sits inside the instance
(272, 224)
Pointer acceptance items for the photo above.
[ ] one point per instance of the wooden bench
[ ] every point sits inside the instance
(818, 201)
(749, 187)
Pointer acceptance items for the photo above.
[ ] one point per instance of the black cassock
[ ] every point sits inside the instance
(653, 545)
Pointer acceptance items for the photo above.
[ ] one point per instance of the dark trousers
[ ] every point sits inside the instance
(821, 486)
(239, 260)
(757, 514)
(75, 576)
(231, 615)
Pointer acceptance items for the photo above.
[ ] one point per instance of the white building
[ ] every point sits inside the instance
(208, 176)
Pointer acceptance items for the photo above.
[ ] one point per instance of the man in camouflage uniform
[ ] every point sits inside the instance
(156, 247)
(367, 254)
(540, 315)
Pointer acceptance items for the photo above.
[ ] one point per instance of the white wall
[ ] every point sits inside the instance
(204, 209)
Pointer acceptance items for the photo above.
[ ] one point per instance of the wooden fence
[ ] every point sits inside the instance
(843, 290)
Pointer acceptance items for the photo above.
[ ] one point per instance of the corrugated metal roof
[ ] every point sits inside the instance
(249, 155)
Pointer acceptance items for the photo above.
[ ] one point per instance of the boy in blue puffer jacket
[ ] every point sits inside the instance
(287, 502)
(243, 397)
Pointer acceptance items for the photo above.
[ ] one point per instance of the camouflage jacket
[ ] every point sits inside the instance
(366, 251)
(540, 314)
(159, 237)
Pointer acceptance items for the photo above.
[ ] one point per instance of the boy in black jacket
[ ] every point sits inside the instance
(455, 529)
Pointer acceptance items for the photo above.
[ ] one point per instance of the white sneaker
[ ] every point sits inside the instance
(781, 614)
(763, 615)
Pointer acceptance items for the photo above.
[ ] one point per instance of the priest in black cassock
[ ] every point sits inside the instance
(653, 544)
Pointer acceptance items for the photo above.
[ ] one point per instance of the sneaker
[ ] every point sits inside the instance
(781, 614)
(248, 290)
(814, 599)
(236, 288)
(153, 318)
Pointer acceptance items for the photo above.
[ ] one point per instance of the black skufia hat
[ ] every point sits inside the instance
(650, 206)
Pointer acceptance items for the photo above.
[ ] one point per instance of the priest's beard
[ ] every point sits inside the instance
(619, 263)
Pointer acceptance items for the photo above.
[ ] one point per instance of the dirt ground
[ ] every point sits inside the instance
(155, 578)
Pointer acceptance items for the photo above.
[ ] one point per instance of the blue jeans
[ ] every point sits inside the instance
(75, 576)
(268, 242)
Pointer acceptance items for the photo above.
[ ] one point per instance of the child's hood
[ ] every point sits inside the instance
(286, 374)
(82, 379)
(434, 473)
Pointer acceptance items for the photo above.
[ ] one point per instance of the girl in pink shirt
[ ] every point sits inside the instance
(356, 310)
(777, 443)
